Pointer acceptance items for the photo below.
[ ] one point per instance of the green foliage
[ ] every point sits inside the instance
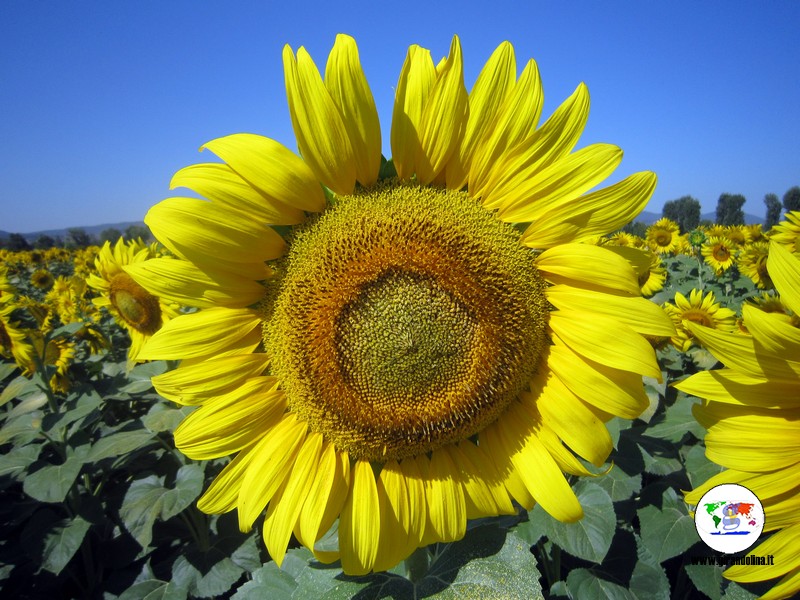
(685, 211)
(791, 199)
(77, 238)
(773, 214)
(111, 235)
(729, 209)
(133, 232)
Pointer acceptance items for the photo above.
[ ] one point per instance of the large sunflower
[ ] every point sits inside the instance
(752, 413)
(406, 359)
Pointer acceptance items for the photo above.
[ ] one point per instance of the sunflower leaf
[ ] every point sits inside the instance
(61, 544)
(668, 531)
(585, 583)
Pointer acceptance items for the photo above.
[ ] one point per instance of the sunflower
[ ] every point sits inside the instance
(15, 340)
(663, 236)
(703, 310)
(406, 359)
(622, 238)
(756, 232)
(652, 279)
(738, 234)
(718, 253)
(42, 279)
(134, 308)
(787, 232)
(753, 263)
(752, 413)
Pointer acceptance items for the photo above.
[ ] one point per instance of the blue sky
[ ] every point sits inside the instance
(101, 102)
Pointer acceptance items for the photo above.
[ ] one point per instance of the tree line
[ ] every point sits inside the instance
(685, 211)
(76, 237)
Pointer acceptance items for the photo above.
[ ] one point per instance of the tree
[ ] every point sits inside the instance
(773, 211)
(729, 209)
(17, 242)
(791, 199)
(684, 211)
(110, 235)
(77, 238)
(636, 228)
(43, 242)
(138, 231)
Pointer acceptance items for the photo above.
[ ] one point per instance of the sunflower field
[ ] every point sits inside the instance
(97, 501)
(451, 374)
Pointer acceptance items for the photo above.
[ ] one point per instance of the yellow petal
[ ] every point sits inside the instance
(597, 213)
(744, 354)
(393, 499)
(516, 121)
(639, 314)
(182, 282)
(774, 337)
(220, 184)
(496, 447)
(283, 514)
(764, 485)
(536, 467)
(196, 229)
(318, 126)
(347, 85)
(413, 87)
(445, 496)
(568, 264)
(555, 188)
(209, 332)
(784, 546)
(359, 524)
(563, 411)
(494, 83)
(193, 384)
(618, 392)
(231, 422)
(443, 117)
(478, 497)
(552, 141)
(273, 458)
(417, 507)
(271, 168)
(481, 465)
(223, 494)
(332, 508)
(784, 270)
(592, 335)
(734, 387)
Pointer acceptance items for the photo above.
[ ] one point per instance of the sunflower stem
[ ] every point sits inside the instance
(417, 564)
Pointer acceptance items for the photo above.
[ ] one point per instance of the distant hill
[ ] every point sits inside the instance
(92, 230)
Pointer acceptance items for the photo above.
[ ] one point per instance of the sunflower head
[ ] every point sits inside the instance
(719, 253)
(419, 349)
(662, 236)
(701, 310)
(42, 279)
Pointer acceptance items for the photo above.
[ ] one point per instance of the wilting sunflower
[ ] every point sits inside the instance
(753, 263)
(752, 413)
(719, 253)
(406, 359)
(703, 310)
(663, 236)
(137, 310)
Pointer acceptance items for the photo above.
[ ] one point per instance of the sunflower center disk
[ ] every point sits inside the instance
(406, 318)
(136, 305)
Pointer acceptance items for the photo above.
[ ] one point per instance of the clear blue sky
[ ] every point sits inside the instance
(100, 102)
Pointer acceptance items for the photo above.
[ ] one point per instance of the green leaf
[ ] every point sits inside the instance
(147, 500)
(706, 578)
(267, 582)
(61, 544)
(590, 538)
(19, 386)
(153, 589)
(214, 583)
(164, 418)
(619, 485)
(6, 369)
(584, 583)
(16, 461)
(648, 580)
(115, 444)
(22, 429)
(678, 421)
(668, 531)
(66, 330)
(660, 462)
(53, 482)
(697, 465)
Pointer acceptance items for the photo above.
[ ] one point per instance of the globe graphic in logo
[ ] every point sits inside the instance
(729, 518)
